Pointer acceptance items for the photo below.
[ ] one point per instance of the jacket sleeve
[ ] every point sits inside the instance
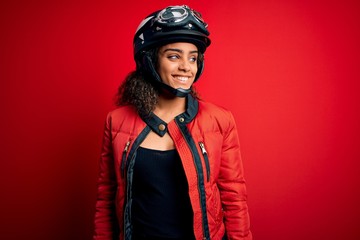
(105, 215)
(232, 188)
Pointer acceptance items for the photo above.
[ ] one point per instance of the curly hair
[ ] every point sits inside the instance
(142, 92)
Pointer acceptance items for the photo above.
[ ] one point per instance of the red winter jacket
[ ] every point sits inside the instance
(206, 139)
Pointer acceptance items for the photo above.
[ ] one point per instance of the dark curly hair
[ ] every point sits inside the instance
(140, 91)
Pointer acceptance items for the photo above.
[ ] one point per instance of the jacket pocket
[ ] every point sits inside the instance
(206, 159)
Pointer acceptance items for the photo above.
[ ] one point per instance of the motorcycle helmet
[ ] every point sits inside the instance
(169, 25)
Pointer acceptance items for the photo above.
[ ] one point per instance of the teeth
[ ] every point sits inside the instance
(182, 79)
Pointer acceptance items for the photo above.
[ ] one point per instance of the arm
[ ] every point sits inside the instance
(105, 215)
(232, 188)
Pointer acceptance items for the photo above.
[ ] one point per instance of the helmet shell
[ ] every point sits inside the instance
(171, 24)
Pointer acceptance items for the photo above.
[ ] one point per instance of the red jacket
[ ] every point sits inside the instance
(206, 139)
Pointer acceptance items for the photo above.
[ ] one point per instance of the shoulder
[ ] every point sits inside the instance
(122, 112)
(211, 109)
(123, 115)
(211, 113)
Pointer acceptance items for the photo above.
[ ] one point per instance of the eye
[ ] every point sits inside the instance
(173, 57)
(193, 59)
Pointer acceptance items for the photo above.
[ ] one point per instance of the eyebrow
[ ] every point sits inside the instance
(178, 50)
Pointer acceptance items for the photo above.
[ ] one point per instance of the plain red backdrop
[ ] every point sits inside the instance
(288, 70)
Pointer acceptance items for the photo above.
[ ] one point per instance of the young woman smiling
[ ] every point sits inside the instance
(170, 166)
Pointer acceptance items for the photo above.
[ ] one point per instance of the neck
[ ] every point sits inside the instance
(168, 107)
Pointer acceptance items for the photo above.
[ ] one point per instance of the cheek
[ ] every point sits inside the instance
(166, 68)
(162, 71)
(195, 68)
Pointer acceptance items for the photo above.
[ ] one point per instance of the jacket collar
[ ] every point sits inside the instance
(159, 126)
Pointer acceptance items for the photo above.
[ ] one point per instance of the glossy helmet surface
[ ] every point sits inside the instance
(169, 25)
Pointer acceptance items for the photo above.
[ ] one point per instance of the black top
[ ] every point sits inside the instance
(161, 206)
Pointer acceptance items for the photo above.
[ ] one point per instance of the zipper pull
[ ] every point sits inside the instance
(206, 159)
(126, 147)
(124, 158)
(202, 146)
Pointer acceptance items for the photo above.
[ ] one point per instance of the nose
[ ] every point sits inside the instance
(184, 66)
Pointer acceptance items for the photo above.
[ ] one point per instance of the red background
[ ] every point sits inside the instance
(288, 70)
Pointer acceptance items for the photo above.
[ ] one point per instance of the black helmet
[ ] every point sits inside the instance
(169, 25)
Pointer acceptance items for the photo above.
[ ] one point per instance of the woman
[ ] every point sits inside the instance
(170, 166)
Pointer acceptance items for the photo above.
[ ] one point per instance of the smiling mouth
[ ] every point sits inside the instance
(182, 78)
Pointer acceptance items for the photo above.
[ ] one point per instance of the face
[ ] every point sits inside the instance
(177, 64)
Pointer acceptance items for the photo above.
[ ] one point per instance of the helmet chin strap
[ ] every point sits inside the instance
(178, 92)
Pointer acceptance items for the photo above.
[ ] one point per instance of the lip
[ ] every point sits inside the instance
(182, 78)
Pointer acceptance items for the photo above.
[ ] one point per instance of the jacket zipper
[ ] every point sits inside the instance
(123, 161)
(125, 165)
(206, 159)
(202, 210)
